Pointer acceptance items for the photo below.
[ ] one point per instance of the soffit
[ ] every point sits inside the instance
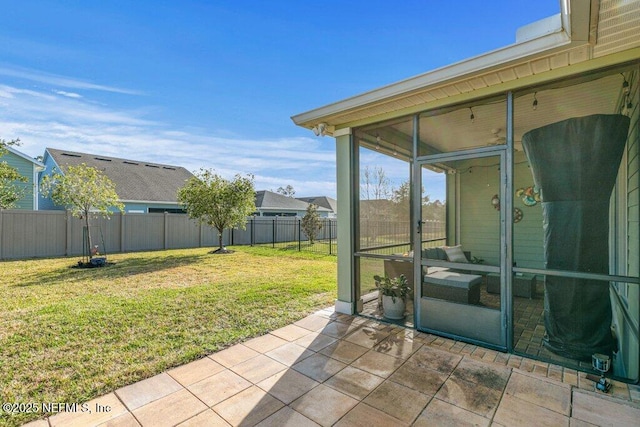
(422, 98)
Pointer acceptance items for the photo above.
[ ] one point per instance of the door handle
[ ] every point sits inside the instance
(420, 222)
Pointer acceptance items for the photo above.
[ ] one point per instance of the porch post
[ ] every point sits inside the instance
(345, 175)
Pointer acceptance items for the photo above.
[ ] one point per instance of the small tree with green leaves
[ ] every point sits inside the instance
(218, 202)
(84, 191)
(11, 181)
(311, 223)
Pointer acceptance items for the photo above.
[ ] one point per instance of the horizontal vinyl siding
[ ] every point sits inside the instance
(480, 222)
(25, 168)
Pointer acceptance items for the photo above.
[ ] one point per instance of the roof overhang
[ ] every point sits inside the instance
(38, 164)
(573, 28)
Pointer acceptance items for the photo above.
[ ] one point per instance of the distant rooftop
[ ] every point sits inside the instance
(135, 180)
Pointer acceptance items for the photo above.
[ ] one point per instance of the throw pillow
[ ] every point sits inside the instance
(455, 254)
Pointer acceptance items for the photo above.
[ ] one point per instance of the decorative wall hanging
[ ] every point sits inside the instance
(517, 215)
(530, 195)
(495, 202)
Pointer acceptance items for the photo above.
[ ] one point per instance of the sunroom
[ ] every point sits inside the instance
(515, 214)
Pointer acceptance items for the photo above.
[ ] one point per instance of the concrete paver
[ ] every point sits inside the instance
(334, 369)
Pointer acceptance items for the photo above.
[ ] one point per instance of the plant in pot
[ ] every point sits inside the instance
(394, 293)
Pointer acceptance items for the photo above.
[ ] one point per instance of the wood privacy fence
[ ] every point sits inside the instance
(34, 234)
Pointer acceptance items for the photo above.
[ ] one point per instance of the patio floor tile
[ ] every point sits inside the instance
(287, 417)
(195, 371)
(81, 419)
(248, 407)
(258, 368)
(207, 418)
(470, 396)
(542, 392)
(433, 358)
(513, 411)
(604, 411)
(364, 415)
(170, 410)
(287, 385)
(443, 414)
(319, 367)
(377, 363)
(124, 420)
(344, 351)
(486, 374)
(424, 380)
(146, 391)
(338, 329)
(265, 343)
(315, 341)
(354, 382)
(218, 387)
(367, 337)
(233, 355)
(324, 405)
(406, 377)
(398, 401)
(313, 322)
(289, 354)
(397, 346)
(290, 332)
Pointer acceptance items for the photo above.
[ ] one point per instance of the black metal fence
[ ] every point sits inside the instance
(288, 233)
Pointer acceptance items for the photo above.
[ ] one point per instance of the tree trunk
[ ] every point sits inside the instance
(220, 245)
(89, 241)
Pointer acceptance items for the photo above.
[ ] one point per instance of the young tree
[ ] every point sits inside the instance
(11, 189)
(311, 223)
(84, 191)
(286, 191)
(217, 202)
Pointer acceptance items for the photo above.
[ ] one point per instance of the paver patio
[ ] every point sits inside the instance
(334, 369)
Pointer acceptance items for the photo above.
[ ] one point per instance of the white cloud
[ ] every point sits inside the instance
(62, 81)
(68, 94)
(43, 120)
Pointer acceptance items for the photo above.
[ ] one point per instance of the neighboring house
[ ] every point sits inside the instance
(143, 187)
(536, 147)
(323, 202)
(29, 168)
(269, 203)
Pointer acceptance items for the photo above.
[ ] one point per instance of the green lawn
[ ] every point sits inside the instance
(69, 335)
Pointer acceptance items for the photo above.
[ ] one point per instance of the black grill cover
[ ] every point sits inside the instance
(574, 164)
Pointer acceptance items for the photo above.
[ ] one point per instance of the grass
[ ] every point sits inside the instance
(70, 335)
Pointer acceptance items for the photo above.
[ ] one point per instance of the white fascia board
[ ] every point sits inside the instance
(575, 19)
(24, 156)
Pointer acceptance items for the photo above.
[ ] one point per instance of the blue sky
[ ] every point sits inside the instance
(213, 84)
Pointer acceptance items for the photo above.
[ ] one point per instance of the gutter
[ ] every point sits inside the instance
(572, 28)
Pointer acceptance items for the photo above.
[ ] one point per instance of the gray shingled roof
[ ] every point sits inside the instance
(322, 201)
(134, 180)
(270, 200)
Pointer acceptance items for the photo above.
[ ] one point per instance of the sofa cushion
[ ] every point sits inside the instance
(453, 279)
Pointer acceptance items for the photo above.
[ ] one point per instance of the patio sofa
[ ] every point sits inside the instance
(449, 284)
(440, 282)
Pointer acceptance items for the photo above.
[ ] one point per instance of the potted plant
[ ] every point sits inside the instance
(394, 293)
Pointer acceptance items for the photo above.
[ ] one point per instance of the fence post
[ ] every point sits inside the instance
(299, 235)
(330, 234)
(166, 229)
(273, 234)
(67, 250)
(252, 235)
